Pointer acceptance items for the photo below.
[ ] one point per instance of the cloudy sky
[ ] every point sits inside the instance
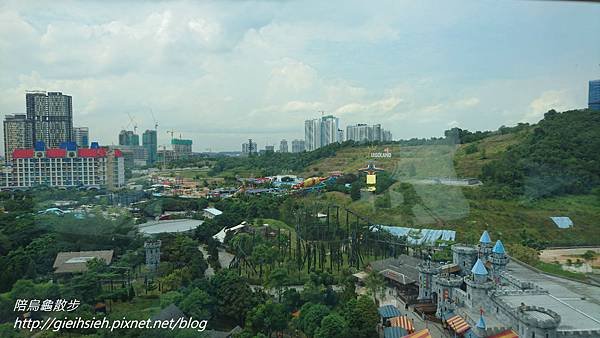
(222, 72)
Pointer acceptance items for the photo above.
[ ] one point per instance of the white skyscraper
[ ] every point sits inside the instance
(312, 134)
(321, 132)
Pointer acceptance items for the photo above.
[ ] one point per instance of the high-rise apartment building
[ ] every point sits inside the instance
(298, 146)
(66, 166)
(312, 134)
(81, 136)
(594, 95)
(365, 133)
(150, 142)
(249, 148)
(181, 147)
(18, 133)
(329, 130)
(321, 132)
(128, 138)
(283, 146)
(51, 114)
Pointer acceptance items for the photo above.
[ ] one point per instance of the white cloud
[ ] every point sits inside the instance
(551, 99)
(232, 68)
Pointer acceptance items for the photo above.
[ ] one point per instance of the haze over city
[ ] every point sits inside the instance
(222, 72)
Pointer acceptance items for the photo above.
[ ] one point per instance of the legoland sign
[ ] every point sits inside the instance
(385, 154)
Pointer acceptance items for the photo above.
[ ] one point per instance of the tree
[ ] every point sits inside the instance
(277, 279)
(589, 255)
(362, 317)
(375, 284)
(233, 294)
(198, 304)
(355, 191)
(268, 318)
(332, 326)
(311, 316)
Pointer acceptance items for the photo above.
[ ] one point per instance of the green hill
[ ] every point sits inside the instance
(517, 213)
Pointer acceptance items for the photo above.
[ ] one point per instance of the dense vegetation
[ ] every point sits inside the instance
(560, 157)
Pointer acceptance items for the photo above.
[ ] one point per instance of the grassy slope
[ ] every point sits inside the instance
(463, 208)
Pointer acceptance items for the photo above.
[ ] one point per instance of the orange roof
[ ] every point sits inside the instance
(506, 334)
(404, 322)
(421, 334)
(458, 324)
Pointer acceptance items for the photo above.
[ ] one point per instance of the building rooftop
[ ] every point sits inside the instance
(479, 268)
(485, 238)
(213, 211)
(499, 248)
(575, 315)
(167, 226)
(76, 261)
(402, 269)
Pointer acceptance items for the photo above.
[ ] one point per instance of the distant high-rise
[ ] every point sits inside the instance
(330, 127)
(594, 95)
(283, 146)
(81, 136)
(18, 134)
(364, 133)
(181, 147)
(298, 146)
(249, 148)
(321, 132)
(312, 134)
(52, 117)
(150, 142)
(128, 138)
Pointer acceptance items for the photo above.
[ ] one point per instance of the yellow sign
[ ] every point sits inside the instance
(371, 179)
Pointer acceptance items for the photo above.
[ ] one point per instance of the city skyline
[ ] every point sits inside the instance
(283, 63)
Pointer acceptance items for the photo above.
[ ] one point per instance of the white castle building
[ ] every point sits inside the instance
(477, 291)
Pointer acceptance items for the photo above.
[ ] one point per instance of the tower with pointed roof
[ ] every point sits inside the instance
(478, 284)
(485, 246)
(499, 259)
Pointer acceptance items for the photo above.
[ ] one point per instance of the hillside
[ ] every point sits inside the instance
(471, 209)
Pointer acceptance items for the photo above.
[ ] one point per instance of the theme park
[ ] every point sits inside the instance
(300, 169)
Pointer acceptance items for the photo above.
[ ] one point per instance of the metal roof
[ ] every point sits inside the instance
(498, 247)
(479, 268)
(389, 311)
(74, 262)
(394, 332)
(485, 238)
(424, 236)
(481, 323)
(562, 222)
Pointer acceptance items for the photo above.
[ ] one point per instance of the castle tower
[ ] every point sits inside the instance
(152, 254)
(444, 286)
(464, 256)
(426, 273)
(499, 260)
(537, 322)
(485, 246)
(478, 284)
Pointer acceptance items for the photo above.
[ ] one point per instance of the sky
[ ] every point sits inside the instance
(222, 72)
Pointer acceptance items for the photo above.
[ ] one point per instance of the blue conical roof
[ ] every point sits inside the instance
(481, 323)
(485, 238)
(499, 248)
(479, 268)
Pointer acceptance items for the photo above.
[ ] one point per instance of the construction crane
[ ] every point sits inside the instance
(172, 132)
(155, 122)
(133, 123)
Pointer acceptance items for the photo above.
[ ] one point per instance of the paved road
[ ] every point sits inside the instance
(225, 259)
